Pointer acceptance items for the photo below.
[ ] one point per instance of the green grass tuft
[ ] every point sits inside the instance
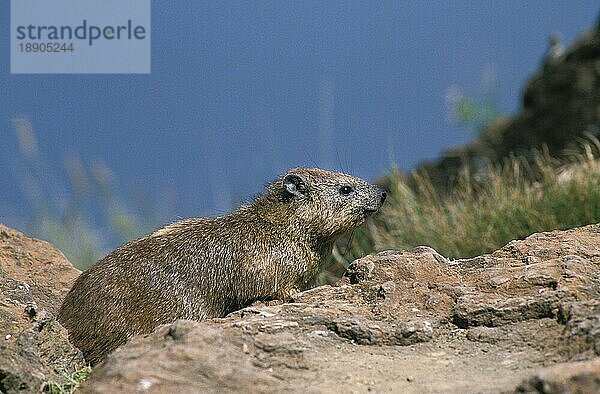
(71, 382)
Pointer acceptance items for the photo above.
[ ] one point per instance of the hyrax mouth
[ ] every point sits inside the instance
(370, 211)
(380, 196)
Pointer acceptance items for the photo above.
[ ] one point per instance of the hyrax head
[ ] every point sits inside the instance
(325, 203)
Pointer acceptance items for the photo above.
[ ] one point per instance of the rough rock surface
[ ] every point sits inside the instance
(577, 377)
(524, 318)
(34, 278)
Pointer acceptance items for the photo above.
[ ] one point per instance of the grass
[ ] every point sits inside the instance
(78, 209)
(485, 212)
(72, 382)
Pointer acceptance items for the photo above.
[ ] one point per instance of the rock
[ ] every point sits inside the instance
(478, 325)
(577, 377)
(561, 107)
(582, 322)
(188, 363)
(525, 318)
(34, 278)
(574, 80)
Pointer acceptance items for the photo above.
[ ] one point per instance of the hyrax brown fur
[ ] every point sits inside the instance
(200, 268)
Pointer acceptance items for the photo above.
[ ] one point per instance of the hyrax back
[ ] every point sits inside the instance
(200, 268)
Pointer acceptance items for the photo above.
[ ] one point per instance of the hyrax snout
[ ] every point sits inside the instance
(208, 267)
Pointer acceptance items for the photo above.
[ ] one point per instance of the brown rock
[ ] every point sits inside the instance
(577, 377)
(186, 363)
(477, 325)
(34, 278)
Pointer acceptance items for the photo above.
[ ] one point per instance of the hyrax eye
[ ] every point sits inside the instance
(346, 190)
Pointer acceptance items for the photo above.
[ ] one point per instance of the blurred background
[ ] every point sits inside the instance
(241, 91)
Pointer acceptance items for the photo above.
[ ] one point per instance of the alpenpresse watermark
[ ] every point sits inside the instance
(80, 36)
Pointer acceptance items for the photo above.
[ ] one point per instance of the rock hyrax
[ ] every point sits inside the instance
(207, 267)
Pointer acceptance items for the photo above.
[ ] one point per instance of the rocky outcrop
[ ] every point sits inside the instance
(561, 108)
(405, 321)
(34, 278)
(561, 103)
(525, 319)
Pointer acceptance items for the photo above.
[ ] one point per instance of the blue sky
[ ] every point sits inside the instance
(240, 91)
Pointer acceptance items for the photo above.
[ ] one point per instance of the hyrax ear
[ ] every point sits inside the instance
(295, 185)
